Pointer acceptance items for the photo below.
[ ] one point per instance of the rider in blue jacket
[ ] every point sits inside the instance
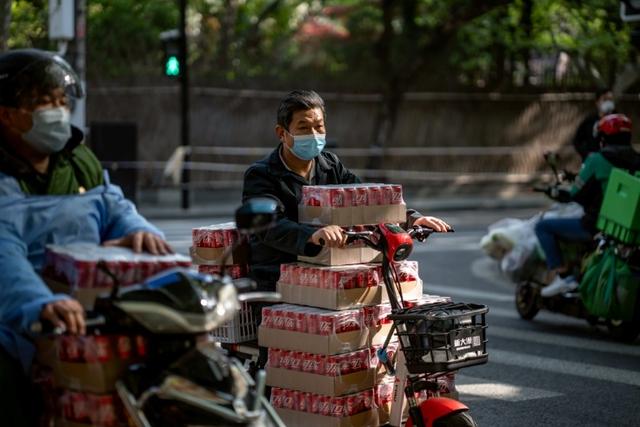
(42, 155)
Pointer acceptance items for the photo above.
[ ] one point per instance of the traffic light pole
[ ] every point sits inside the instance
(184, 95)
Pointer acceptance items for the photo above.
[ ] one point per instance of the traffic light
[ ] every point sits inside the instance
(172, 66)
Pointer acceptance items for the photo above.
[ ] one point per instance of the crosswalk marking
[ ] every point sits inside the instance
(563, 340)
(480, 387)
(565, 367)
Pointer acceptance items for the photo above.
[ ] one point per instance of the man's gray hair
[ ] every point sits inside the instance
(298, 100)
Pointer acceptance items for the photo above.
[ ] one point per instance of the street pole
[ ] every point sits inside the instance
(184, 94)
(80, 50)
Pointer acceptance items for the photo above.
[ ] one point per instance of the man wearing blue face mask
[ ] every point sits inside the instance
(299, 160)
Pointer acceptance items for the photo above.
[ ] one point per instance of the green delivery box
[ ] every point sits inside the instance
(620, 212)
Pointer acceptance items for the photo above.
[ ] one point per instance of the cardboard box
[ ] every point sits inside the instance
(213, 256)
(344, 256)
(378, 334)
(306, 419)
(336, 299)
(85, 296)
(90, 377)
(323, 344)
(313, 343)
(321, 384)
(350, 216)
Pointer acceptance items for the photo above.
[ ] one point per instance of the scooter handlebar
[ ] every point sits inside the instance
(260, 297)
(44, 327)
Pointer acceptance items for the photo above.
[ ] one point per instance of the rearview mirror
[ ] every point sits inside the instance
(256, 215)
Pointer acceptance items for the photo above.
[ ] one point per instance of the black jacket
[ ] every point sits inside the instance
(283, 243)
(269, 177)
(584, 140)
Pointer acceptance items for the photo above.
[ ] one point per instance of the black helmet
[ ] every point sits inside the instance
(32, 72)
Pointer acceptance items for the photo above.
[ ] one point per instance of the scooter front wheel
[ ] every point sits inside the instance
(527, 300)
(459, 419)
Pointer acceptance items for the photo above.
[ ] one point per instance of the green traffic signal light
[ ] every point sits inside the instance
(172, 66)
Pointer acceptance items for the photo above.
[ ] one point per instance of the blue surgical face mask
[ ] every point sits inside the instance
(50, 131)
(308, 147)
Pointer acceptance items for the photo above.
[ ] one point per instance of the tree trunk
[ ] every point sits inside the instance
(525, 52)
(5, 21)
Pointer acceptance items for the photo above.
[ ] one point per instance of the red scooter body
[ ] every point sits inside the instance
(436, 408)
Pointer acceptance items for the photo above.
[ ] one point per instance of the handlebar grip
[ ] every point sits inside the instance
(322, 242)
(260, 297)
(46, 328)
(244, 284)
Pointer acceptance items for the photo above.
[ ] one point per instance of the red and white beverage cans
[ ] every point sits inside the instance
(124, 347)
(375, 195)
(337, 197)
(348, 195)
(276, 397)
(325, 406)
(335, 278)
(328, 406)
(104, 350)
(312, 320)
(274, 357)
(338, 406)
(76, 265)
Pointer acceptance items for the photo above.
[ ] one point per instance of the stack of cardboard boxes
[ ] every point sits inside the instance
(210, 243)
(81, 374)
(322, 343)
(78, 373)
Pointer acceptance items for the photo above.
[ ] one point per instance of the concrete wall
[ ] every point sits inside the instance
(221, 117)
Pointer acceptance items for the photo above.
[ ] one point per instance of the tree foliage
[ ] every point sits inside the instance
(356, 45)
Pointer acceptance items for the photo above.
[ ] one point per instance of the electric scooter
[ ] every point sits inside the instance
(435, 338)
(187, 379)
(527, 295)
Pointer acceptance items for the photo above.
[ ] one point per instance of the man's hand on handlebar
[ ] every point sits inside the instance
(67, 314)
(434, 223)
(331, 236)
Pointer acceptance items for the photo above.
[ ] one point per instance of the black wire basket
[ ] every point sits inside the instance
(442, 337)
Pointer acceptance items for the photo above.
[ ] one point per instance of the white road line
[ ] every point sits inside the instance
(543, 316)
(488, 270)
(562, 340)
(565, 367)
(480, 387)
(431, 288)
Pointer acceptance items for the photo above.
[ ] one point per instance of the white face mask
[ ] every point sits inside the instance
(606, 107)
(50, 131)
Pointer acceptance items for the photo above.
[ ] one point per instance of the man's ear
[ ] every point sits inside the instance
(280, 133)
